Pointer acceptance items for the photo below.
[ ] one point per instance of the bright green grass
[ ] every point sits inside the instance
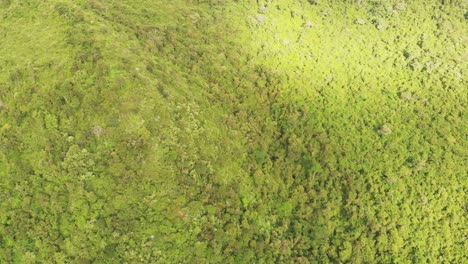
(233, 131)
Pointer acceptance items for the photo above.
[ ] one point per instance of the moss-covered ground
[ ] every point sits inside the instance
(218, 131)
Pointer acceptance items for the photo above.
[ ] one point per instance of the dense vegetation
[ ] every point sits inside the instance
(216, 131)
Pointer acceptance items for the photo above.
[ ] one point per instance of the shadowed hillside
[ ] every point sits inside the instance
(233, 131)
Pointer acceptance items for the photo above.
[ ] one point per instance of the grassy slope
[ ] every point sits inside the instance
(146, 131)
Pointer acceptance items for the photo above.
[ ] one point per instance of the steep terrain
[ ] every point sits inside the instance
(217, 131)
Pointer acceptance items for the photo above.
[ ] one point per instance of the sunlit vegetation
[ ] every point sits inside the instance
(217, 131)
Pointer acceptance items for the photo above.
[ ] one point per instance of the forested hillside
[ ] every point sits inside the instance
(223, 131)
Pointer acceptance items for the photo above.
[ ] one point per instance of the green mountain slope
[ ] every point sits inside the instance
(233, 131)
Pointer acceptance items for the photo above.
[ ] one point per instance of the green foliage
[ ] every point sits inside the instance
(233, 131)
